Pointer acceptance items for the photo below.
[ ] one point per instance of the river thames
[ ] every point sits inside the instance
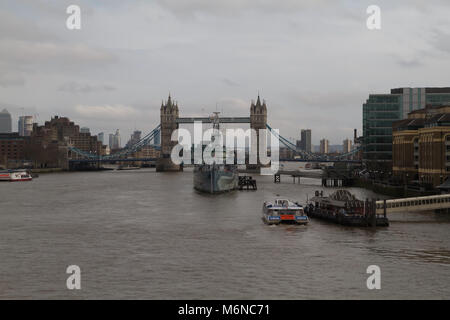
(147, 235)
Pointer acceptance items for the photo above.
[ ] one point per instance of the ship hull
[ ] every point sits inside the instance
(215, 179)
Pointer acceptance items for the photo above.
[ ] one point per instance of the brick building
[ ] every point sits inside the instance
(48, 145)
(421, 146)
(12, 149)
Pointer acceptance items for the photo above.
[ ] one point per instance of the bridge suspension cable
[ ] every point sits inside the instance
(309, 155)
(145, 141)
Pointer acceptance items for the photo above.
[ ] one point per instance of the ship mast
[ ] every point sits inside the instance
(215, 120)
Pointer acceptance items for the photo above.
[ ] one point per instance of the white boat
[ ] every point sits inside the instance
(283, 211)
(15, 175)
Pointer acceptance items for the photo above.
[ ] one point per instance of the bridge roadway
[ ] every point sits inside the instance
(428, 203)
(291, 173)
(113, 160)
(209, 120)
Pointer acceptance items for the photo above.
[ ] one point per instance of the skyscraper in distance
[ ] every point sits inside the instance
(85, 130)
(111, 141)
(306, 140)
(25, 126)
(101, 137)
(5, 122)
(324, 146)
(347, 146)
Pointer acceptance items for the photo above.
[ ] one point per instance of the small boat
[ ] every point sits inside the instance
(15, 175)
(284, 211)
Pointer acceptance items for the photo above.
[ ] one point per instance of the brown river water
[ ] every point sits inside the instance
(147, 235)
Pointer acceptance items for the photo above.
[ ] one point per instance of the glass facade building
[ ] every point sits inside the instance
(5, 122)
(381, 110)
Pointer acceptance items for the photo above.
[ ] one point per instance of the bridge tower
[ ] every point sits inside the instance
(169, 117)
(258, 120)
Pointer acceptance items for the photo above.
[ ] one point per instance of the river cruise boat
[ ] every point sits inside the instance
(15, 175)
(344, 208)
(284, 211)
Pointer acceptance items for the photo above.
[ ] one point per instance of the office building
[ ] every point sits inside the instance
(101, 137)
(12, 149)
(305, 142)
(111, 141)
(135, 138)
(85, 130)
(115, 140)
(347, 146)
(380, 111)
(324, 146)
(5, 122)
(25, 126)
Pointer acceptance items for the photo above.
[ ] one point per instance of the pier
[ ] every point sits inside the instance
(429, 203)
(247, 183)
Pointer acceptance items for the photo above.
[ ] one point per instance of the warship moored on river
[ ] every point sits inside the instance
(216, 178)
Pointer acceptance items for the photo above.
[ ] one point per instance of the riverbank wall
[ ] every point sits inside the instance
(392, 191)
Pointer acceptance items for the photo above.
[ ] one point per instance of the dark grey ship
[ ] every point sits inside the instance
(216, 178)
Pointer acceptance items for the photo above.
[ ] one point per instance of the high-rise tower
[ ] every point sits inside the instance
(5, 122)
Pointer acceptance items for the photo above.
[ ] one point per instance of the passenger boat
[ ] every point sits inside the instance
(344, 208)
(284, 211)
(15, 175)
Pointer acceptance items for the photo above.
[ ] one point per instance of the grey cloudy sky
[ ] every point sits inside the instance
(314, 61)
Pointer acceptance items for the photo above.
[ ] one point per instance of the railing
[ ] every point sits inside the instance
(414, 204)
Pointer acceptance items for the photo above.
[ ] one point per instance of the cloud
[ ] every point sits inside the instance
(75, 87)
(314, 61)
(118, 112)
(441, 41)
(409, 63)
(26, 52)
(230, 83)
(235, 6)
(11, 80)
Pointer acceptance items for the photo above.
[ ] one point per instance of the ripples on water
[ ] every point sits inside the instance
(142, 234)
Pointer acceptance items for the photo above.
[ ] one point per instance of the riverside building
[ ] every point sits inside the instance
(421, 146)
(380, 111)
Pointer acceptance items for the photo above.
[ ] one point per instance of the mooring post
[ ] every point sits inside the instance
(374, 213)
(277, 178)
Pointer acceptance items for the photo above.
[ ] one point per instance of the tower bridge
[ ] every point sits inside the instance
(170, 121)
